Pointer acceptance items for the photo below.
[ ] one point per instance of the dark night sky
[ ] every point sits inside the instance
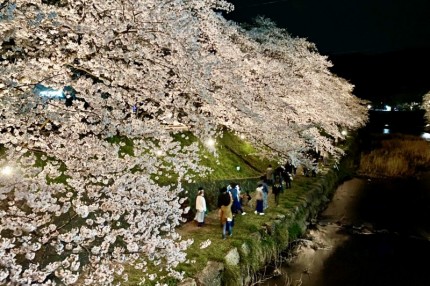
(381, 46)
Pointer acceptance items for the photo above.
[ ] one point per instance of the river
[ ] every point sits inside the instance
(373, 232)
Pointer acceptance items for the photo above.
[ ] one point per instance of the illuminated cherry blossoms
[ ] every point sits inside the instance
(89, 93)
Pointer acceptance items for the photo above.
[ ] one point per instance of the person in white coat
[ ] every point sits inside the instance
(200, 207)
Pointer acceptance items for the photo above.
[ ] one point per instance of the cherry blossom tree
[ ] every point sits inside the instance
(286, 97)
(89, 93)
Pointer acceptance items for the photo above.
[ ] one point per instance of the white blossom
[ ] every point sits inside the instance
(205, 244)
(84, 161)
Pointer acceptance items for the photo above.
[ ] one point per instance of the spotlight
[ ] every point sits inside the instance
(210, 142)
(6, 171)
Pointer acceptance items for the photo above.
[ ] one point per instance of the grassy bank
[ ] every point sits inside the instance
(395, 156)
(256, 239)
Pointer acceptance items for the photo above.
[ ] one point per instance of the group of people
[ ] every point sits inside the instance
(273, 179)
(231, 199)
(229, 203)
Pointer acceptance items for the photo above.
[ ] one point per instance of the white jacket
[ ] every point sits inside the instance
(200, 204)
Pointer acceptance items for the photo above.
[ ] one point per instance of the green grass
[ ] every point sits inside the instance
(245, 227)
(126, 148)
(232, 152)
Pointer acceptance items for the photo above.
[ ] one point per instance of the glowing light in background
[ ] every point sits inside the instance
(425, 136)
(210, 143)
(51, 93)
(386, 131)
(369, 106)
(344, 132)
(6, 170)
(47, 92)
(387, 108)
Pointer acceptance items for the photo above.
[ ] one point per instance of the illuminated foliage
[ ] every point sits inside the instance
(83, 195)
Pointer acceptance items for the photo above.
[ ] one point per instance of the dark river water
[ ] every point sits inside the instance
(373, 232)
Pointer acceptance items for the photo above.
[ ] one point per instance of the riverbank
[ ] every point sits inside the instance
(257, 240)
(365, 236)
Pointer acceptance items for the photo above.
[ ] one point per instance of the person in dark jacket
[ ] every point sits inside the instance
(277, 189)
(235, 194)
(288, 178)
(223, 200)
(226, 216)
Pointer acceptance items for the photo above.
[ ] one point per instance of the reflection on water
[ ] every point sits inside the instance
(374, 232)
(406, 122)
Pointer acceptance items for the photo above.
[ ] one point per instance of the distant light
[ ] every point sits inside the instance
(66, 92)
(425, 136)
(344, 132)
(210, 142)
(6, 171)
(238, 168)
(51, 93)
(386, 131)
(369, 106)
(387, 108)
(387, 125)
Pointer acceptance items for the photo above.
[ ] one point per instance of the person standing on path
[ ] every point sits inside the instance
(200, 207)
(265, 194)
(288, 178)
(235, 193)
(226, 213)
(277, 189)
(259, 200)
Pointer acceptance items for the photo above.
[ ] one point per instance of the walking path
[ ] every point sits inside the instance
(208, 243)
